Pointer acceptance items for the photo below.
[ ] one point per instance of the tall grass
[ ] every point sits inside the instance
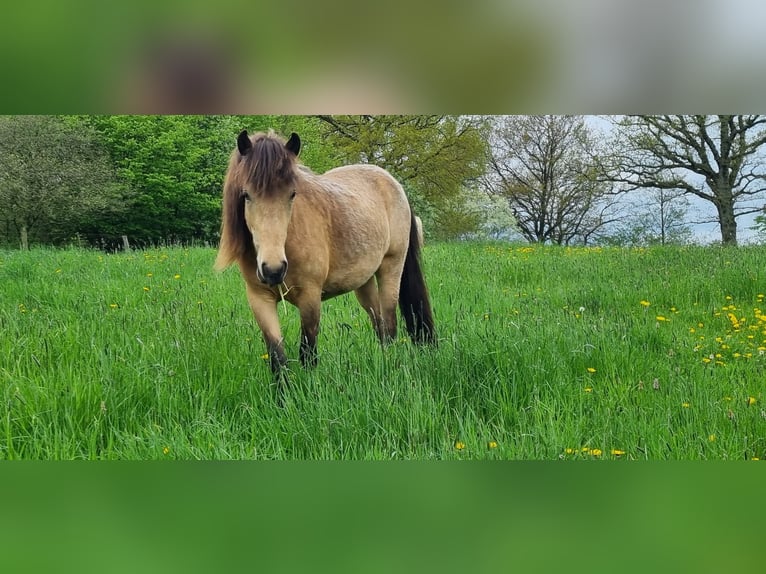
(544, 353)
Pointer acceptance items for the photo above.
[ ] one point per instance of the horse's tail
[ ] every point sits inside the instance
(413, 295)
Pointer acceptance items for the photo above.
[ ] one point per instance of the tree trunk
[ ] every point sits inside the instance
(24, 237)
(728, 223)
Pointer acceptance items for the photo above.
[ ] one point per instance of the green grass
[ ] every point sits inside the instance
(152, 355)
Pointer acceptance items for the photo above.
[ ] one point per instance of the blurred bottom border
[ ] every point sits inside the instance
(379, 517)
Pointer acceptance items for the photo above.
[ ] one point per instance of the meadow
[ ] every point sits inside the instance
(545, 353)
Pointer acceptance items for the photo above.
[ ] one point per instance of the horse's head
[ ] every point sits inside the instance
(267, 167)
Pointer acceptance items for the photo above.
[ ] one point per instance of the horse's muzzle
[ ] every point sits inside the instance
(272, 276)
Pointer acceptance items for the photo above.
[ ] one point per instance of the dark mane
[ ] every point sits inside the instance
(269, 165)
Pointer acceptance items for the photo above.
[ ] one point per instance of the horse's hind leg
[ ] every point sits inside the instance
(367, 295)
(389, 276)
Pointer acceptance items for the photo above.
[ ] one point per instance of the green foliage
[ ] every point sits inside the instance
(175, 166)
(54, 178)
(545, 353)
(434, 157)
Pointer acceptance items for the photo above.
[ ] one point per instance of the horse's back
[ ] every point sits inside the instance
(370, 219)
(368, 181)
(364, 194)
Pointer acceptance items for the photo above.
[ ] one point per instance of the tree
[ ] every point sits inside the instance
(434, 156)
(717, 158)
(473, 214)
(175, 166)
(53, 177)
(657, 218)
(541, 166)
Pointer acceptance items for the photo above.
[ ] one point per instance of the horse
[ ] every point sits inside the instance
(304, 238)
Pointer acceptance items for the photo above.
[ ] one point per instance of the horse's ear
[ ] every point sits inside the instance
(243, 143)
(294, 143)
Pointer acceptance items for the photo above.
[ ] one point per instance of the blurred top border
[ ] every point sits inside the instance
(546, 56)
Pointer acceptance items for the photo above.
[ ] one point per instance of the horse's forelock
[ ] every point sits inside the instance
(269, 165)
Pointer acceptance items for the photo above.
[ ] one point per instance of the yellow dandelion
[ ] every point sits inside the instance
(591, 370)
(645, 303)
(755, 458)
(113, 305)
(662, 318)
(146, 288)
(595, 452)
(711, 438)
(569, 451)
(265, 356)
(149, 274)
(165, 450)
(459, 445)
(588, 389)
(617, 452)
(692, 330)
(685, 405)
(751, 401)
(492, 444)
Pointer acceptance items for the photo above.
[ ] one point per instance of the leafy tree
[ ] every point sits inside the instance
(541, 166)
(54, 177)
(474, 214)
(174, 165)
(717, 158)
(433, 156)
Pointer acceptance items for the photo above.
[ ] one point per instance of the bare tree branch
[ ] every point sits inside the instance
(716, 158)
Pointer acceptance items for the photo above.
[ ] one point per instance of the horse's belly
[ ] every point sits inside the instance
(350, 277)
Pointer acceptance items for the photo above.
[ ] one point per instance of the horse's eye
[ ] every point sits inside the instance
(292, 195)
(245, 196)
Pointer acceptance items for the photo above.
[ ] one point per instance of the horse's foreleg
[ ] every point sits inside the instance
(265, 312)
(310, 313)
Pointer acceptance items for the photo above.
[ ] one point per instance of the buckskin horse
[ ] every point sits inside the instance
(305, 238)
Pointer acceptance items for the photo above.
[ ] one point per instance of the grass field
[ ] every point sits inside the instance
(545, 353)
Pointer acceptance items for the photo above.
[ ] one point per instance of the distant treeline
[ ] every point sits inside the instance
(90, 180)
